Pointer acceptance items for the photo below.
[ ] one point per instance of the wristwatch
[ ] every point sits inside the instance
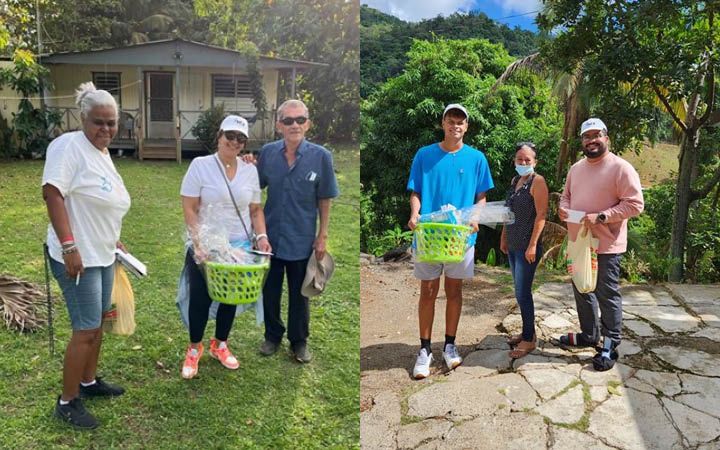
(601, 218)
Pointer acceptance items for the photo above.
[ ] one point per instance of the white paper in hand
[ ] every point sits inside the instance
(131, 263)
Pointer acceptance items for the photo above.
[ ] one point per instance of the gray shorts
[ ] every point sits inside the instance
(463, 270)
(90, 298)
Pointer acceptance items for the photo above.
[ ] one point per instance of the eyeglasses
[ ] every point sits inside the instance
(232, 136)
(100, 122)
(590, 137)
(289, 120)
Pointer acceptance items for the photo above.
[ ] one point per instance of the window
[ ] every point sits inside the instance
(108, 81)
(234, 92)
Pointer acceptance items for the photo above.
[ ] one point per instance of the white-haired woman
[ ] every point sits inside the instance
(86, 201)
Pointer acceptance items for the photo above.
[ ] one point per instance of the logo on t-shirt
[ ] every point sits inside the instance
(105, 186)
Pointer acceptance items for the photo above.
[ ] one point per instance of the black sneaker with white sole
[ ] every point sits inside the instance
(75, 414)
(101, 388)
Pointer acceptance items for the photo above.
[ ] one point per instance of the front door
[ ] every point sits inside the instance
(159, 101)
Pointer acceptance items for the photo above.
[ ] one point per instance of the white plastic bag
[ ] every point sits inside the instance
(582, 262)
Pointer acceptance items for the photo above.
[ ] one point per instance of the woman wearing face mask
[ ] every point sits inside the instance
(527, 198)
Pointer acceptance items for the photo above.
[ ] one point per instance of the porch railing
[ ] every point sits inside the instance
(70, 121)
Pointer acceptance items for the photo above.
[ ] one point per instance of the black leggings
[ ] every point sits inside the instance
(199, 308)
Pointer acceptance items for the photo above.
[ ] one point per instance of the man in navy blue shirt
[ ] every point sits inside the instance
(445, 173)
(300, 182)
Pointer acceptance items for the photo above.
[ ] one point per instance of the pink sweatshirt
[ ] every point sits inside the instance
(610, 186)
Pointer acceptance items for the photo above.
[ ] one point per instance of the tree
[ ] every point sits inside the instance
(404, 115)
(664, 51)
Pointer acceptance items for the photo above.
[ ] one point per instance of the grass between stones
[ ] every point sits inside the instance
(268, 403)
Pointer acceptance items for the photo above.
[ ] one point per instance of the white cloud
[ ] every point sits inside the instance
(414, 10)
(518, 6)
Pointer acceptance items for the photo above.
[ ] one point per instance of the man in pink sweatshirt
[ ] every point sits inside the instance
(607, 189)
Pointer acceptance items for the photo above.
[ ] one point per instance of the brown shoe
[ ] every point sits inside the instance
(523, 349)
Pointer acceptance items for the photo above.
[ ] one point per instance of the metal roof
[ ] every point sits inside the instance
(169, 52)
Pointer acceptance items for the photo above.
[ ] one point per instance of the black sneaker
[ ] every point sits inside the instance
(269, 348)
(302, 354)
(75, 414)
(101, 389)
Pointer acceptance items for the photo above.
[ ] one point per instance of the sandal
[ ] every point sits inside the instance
(514, 339)
(574, 340)
(524, 348)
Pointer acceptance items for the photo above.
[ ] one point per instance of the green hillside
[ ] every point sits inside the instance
(385, 40)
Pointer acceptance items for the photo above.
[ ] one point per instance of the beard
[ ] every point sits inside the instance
(596, 152)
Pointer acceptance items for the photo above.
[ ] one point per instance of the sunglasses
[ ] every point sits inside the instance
(289, 120)
(231, 136)
(108, 123)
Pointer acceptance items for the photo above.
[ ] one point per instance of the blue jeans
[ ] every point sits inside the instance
(90, 298)
(523, 274)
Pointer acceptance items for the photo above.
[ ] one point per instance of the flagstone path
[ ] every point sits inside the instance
(664, 393)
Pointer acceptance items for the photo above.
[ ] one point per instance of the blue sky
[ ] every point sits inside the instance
(499, 10)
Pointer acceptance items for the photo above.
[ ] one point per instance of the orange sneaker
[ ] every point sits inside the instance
(192, 357)
(220, 351)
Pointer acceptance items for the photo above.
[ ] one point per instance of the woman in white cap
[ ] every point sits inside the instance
(208, 183)
(86, 201)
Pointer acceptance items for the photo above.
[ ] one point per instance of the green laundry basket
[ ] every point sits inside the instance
(440, 242)
(235, 284)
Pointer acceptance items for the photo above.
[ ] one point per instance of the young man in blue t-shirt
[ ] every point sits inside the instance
(445, 173)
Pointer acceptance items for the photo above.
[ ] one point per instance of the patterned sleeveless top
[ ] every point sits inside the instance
(522, 204)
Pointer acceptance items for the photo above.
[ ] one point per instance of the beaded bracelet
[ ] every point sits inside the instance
(69, 250)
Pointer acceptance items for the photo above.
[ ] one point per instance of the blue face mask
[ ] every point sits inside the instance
(524, 170)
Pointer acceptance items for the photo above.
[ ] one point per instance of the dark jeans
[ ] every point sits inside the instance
(199, 308)
(607, 298)
(298, 328)
(523, 274)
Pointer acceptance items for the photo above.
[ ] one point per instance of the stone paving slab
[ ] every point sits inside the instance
(698, 427)
(568, 408)
(566, 439)
(634, 420)
(696, 294)
(695, 361)
(670, 319)
(665, 395)
(412, 435)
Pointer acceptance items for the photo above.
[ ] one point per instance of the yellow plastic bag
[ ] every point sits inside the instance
(582, 262)
(121, 317)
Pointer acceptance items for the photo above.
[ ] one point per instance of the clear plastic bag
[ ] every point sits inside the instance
(490, 214)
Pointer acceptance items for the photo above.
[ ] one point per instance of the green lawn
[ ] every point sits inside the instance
(268, 403)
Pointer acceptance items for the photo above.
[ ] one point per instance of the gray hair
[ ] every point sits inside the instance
(88, 97)
(290, 104)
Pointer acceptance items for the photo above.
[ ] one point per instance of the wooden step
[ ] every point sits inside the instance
(159, 152)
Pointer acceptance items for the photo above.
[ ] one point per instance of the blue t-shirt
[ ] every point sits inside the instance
(442, 178)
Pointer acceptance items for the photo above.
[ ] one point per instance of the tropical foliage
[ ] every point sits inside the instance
(404, 114)
(636, 55)
(387, 39)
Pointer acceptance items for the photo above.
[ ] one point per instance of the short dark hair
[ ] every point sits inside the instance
(528, 144)
(455, 113)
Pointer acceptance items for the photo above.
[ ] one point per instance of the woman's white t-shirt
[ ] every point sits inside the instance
(206, 180)
(95, 198)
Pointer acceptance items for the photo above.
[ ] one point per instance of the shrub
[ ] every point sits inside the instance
(207, 126)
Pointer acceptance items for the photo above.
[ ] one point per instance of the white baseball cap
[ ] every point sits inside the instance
(592, 123)
(457, 106)
(235, 123)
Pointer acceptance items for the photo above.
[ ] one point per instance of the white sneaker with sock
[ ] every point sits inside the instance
(422, 364)
(451, 356)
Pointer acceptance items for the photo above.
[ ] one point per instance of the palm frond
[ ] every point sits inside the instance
(530, 62)
(20, 304)
(553, 234)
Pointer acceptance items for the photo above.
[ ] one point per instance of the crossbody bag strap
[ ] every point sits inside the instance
(232, 197)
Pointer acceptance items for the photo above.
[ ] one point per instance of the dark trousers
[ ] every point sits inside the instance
(298, 328)
(606, 298)
(523, 274)
(199, 308)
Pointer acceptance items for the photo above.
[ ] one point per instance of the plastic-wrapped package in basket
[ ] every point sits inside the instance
(233, 273)
(441, 236)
